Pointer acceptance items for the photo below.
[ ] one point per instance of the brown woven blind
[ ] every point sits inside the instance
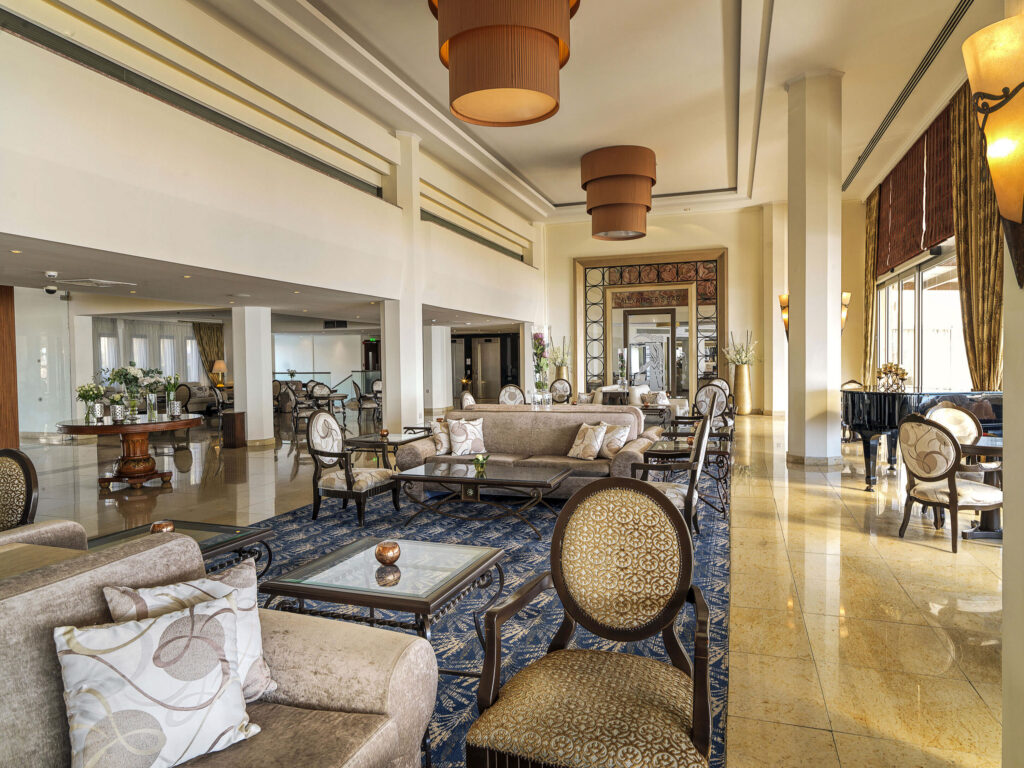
(906, 209)
(938, 193)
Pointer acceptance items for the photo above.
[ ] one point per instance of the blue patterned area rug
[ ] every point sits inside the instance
(298, 539)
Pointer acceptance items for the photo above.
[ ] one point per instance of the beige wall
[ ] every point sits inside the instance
(738, 231)
(853, 281)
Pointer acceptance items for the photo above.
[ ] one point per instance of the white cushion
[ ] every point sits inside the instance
(442, 438)
(615, 437)
(675, 492)
(467, 436)
(155, 692)
(127, 604)
(967, 491)
(589, 440)
(636, 393)
(363, 479)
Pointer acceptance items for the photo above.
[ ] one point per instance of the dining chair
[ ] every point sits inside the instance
(466, 400)
(932, 457)
(511, 394)
(19, 489)
(967, 429)
(582, 707)
(296, 410)
(723, 384)
(561, 391)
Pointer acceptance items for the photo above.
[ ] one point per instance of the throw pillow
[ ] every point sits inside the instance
(637, 392)
(655, 398)
(442, 437)
(585, 398)
(615, 437)
(588, 441)
(467, 436)
(128, 604)
(156, 692)
(652, 433)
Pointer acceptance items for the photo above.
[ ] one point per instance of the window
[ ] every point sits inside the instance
(108, 352)
(140, 351)
(193, 369)
(920, 326)
(167, 356)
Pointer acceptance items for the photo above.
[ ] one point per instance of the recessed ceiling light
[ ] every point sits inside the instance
(468, 323)
(15, 251)
(372, 303)
(295, 291)
(357, 317)
(231, 302)
(131, 291)
(305, 310)
(186, 276)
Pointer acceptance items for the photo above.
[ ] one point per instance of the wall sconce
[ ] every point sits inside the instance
(995, 60)
(845, 309)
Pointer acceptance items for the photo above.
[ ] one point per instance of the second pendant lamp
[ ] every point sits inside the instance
(618, 181)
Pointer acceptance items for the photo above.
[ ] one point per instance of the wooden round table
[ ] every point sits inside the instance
(135, 466)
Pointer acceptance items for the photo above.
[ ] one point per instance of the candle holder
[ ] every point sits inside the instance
(387, 552)
(162, 526)
(384, 434)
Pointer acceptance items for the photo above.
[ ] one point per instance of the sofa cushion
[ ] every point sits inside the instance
(589, 439)
(581, 467)
(467, 436)
(309, 737)
(615, 437)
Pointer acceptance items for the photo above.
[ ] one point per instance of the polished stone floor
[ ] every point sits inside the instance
(849, 646)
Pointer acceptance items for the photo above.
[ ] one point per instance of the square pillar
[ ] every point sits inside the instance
(815, 268)
(401, 327)
(437, 369)
(253, 373)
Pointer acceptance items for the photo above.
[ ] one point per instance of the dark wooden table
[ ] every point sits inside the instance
(136, 466)
(383, 445)
(463, 483)
(985, 445)
(990, 524)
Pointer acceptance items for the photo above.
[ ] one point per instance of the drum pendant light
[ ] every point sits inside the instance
(618, 182)
(503, 57)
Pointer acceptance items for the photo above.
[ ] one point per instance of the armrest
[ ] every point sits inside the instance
(52, 533)
(631, 453)
(701, 679)
(415, 453)
(346, 667)
(490, 680)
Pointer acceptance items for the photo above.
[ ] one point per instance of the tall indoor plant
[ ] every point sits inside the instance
(741, 356)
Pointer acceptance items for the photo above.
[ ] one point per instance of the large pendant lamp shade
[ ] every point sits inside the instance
(618, 182)
(503, 57)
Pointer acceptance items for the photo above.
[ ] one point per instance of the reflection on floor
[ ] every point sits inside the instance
(849, 645)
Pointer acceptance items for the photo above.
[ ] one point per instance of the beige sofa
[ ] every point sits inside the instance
(348, 695)
(525, 436)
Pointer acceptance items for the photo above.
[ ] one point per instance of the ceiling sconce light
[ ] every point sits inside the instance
(503, 57)
(995, 60)
(844, 309)
(618, 181)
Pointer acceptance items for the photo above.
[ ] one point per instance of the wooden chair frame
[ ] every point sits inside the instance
(28, 512)
(299, 412)
(687, 592)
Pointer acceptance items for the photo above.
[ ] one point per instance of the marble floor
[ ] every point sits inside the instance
(849, 646)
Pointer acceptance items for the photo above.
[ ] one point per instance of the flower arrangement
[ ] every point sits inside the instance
(541, 360)
(560, 354)
(152, 380)
(129, 376)
(170, 384)
(291, 373)
(115, 398)
(741, 354)
(480, 462)
(89, 393)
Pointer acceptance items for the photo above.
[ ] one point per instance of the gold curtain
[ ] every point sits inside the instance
(870, 265)
(979, 246)
(210, 337)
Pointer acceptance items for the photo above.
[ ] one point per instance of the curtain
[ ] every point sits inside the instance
(163, 344)
(905, 204)
(870, 292)
(979, 246)
(210, 337)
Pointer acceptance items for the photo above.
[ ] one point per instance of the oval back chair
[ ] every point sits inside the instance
(710, 401)
(962, 423)
(275, 388)
(569, 700)
(19, 489)
(722, 384)
(511, 394)
(561, 391)
(466, 399)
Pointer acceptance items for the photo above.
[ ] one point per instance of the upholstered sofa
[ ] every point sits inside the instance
(195, 397)
(540, 437)
(348, 695)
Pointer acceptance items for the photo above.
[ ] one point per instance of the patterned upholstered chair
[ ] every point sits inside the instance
(511, 394)
(932, 457)
(561, 391)
(291, 406)
(966, 429)
(685, 497)
(466, 400)
(577, 708)
(361, 401)
(19, 489)
(275, 392)
(730, 401)
(706, 404)
(333, 473)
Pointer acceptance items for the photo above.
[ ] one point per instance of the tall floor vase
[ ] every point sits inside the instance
(741, 389)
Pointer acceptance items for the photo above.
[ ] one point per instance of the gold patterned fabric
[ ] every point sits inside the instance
(620, 558)
(12, 493)
(927, 451)
(589, 441)
(870, 276)
(593, 709)
(210, 340)
(979, 246)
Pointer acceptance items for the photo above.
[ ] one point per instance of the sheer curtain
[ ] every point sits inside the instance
(150, 344)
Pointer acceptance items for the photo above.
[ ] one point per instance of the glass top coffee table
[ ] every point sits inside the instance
(464, 483)
(213, 540)
(428, 580)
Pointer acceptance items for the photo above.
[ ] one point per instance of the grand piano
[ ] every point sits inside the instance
(871, 413)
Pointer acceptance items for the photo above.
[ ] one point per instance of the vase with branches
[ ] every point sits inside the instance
(741, 355)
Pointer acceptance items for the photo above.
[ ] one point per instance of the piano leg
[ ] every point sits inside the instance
(870, 443)
(891, 440)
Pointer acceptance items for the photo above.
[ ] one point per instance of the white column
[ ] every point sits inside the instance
(437, 368)
(773, 268)
(815, 268)
(254, 371)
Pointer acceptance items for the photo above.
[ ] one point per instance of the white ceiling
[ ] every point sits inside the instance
(681, 77)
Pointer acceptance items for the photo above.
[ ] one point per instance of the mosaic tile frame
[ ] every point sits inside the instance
(707, 269)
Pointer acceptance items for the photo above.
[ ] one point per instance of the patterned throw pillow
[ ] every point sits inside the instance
(442, 437)
(156, 692)
(467, 436)
(128, 604)
(653, 433)
(615, 437)
(655, 398)
(585, 398)
(588, 441)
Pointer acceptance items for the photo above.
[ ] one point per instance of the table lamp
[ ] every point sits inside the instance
(219, 369)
